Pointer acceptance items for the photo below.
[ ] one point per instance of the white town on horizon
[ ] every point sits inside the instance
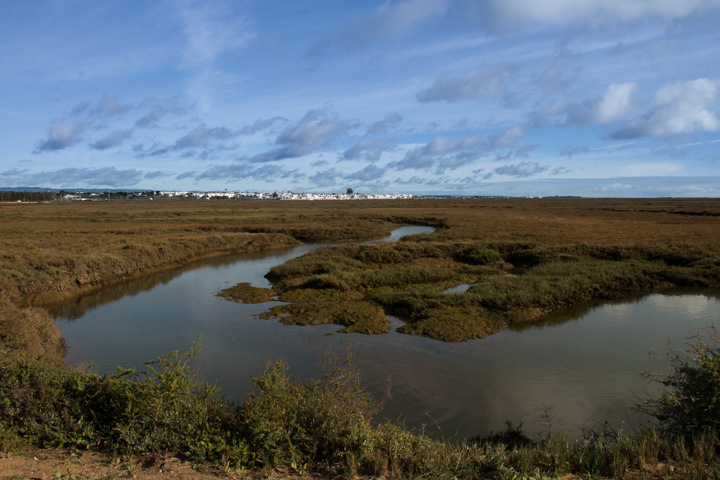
(242, 195)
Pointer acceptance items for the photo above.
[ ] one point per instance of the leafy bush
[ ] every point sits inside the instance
(690, 402)
(165, 409)
(322, 420)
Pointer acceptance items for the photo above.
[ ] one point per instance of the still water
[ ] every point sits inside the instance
(581, 369)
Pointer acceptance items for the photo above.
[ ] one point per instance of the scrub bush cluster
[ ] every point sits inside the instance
(327, 424)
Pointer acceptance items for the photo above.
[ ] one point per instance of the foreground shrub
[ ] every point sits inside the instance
(29, 332)
(690, 402)
(325, 425)
(164, 409)
(326, 420)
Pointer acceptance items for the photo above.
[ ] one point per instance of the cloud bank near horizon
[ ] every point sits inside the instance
(410, 96)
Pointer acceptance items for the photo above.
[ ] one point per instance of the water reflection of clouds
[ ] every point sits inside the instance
(692, 306)
(587, 365)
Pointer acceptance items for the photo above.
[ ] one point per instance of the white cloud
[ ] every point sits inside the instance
(108, 106)
(615, 187)
(614, 104)
(449, 153)
(569, 152)
(326, 178)
(369, 173)
(522, 169)
(369, 150)
(509, 137)
(648, 169)
(384, 126)
(78, 177)
(112, 140)
(61, 135)
(159, 109)
(427, 155)
(678, 108)
(396, 19)
(473, 85)
(202, 135)
(210, 30)
(315, 130)
(404, 16)
(244, 171)
(512, 15)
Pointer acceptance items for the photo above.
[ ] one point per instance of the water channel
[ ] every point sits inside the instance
(581, 369)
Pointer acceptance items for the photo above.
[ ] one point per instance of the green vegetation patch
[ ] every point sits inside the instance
(407, 279)
(332, 284)
(29, 332)
(355, 316)
(244, 292)
(455, 324)
(326, 424)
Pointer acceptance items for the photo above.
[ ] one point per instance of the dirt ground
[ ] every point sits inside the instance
(62, 465)
(55, 464)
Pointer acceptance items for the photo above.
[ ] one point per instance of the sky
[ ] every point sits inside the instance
(599, 98)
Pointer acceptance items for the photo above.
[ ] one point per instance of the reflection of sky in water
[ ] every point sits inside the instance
(586, 363)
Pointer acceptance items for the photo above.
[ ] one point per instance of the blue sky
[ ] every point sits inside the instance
(461, 97)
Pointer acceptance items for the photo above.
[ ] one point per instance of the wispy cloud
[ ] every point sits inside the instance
(248, 171)
(678, 108)
(201, 142)
(367, 174)
(450, 153)
(86, 177)
(107, 106)
(386, 125)
(326, 178)
(413, 95)
(402, 17)
(368, 150)
(390, 20)
(62, 134)
(613, 105)
(210, 29)
(570, 152)
(522, 169)
(158, 109)
(154, 175)
(516, 15)
(317, 129)
(201, 135)
(473, 85)
(114, 139)
(262, 125)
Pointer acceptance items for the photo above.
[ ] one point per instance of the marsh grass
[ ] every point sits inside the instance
(354, 316)
(29, 332)
(570, 250)
(324, 424)
(246, 293)
(407, 279)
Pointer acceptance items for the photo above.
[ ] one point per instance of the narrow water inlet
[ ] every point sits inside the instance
(587, 365)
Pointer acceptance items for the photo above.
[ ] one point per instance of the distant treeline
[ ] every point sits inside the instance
(47, 196)
(18, 196)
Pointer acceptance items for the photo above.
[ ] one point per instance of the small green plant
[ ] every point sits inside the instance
(320, 420)
(690, 402)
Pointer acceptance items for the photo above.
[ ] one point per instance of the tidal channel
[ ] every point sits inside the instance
(576, 372)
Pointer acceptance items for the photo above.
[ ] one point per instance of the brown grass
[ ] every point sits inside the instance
(56, 251)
